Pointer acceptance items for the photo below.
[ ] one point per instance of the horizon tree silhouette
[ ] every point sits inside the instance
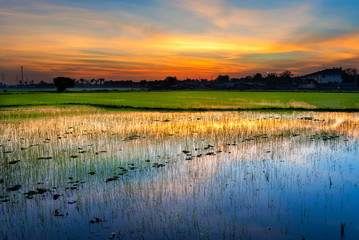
(63, 82)
(222, 78)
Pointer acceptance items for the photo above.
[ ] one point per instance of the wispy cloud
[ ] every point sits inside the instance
(182, 37)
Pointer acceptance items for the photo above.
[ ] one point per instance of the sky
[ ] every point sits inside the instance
(152, 39)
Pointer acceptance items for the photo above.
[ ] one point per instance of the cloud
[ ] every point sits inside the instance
(182, 37)
(272, 23)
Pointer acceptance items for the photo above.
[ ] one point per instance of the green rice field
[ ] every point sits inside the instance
(187, 100)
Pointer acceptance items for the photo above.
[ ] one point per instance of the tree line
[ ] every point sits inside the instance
(272, 81)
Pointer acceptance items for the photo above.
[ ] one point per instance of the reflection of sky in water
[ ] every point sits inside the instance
(269, 188)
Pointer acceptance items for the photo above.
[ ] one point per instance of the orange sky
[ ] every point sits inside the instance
(179, 38)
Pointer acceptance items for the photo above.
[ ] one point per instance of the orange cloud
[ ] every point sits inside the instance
(119, 45)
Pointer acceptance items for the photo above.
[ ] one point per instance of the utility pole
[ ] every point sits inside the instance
(355, 76)
(3, 78)
(22, 74)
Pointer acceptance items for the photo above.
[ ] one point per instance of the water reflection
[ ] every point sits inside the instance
(249, 175)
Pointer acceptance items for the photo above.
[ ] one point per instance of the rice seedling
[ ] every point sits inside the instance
(177, 175)
(342, 230)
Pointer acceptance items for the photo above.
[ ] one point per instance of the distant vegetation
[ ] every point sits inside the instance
(63, 82)
(272, 81)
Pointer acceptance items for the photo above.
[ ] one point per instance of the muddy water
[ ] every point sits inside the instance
(250, 175)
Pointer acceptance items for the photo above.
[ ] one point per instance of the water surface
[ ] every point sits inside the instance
(216, 175)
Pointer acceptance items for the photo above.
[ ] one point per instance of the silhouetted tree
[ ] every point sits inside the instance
(271, 80)
(348, 75)
(224, 78)
(169, 81)
(248, 78)
(101, 81)
(286, 75)
(63, 82)
(257, 77)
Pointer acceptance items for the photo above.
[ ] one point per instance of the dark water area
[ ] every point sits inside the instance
(161, 176)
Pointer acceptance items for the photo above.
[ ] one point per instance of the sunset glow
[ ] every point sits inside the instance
(153, 39)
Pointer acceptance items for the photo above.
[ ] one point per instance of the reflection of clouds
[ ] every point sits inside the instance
(337, 123)
(150, 124)
(261, 177)
(222, 128)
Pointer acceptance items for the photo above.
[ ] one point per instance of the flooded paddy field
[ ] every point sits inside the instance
(95, 174)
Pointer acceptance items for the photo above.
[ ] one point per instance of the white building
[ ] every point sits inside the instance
(326, 76)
